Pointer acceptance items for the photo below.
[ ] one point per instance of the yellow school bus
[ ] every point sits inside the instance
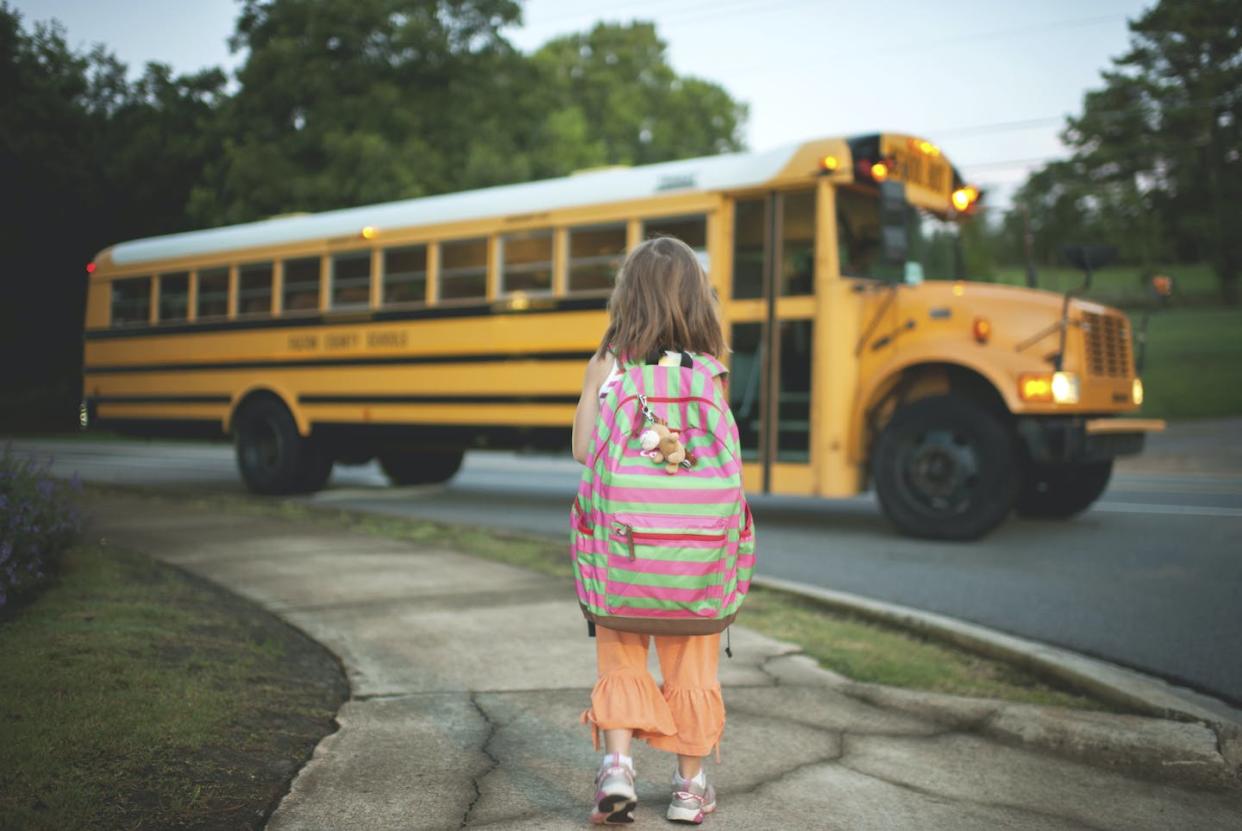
(414, 330)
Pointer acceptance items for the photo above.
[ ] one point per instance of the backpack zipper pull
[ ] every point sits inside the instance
(629, 538)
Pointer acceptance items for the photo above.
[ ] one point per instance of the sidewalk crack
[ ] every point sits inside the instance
(763, 665)
(485, 749)
(843, 761)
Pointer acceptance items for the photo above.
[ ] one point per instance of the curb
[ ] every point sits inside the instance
(1118, 685)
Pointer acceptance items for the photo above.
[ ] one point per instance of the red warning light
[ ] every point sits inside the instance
(90, 268)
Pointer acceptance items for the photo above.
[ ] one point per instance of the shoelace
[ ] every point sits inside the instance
(604, 773)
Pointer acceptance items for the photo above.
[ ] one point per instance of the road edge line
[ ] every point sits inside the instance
(1111, 682)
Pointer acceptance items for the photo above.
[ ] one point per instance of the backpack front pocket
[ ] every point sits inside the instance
(665, 571)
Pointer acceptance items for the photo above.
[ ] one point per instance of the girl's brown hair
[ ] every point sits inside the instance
(662, 300)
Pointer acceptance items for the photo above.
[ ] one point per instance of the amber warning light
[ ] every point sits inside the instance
(965, 198)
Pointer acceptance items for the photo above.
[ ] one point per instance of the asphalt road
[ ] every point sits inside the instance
(1150, 577)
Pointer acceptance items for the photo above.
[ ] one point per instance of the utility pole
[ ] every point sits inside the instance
(1028, 246)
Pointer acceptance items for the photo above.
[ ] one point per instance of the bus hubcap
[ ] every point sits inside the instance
(941, 470)
(263, 446)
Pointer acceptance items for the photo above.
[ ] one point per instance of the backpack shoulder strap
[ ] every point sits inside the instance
(709, 362)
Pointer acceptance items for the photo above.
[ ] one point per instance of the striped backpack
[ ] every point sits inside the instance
(654, 552)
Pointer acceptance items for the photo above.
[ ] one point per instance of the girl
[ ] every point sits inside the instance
(662, 305)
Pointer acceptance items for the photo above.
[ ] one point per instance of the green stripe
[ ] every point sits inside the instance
(627, 507)
(662, 581)
(652, 603)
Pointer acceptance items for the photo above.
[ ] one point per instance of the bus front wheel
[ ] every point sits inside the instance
(271, 455)
(1061, 491)
(945, 468)
(420, 467)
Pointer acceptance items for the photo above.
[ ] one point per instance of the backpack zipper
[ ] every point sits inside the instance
(631, 535)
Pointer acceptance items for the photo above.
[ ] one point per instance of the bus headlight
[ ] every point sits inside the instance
(1136, 392)
(1065, 388)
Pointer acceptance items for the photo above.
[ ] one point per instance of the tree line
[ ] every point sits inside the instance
(335, 103)
(1156, 154)
(346, 102)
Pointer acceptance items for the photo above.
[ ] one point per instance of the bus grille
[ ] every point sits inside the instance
(1108, 344)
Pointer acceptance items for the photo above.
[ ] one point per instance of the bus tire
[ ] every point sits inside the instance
(1062, 491)
(420, 467)
(271, 455)
(945, 468)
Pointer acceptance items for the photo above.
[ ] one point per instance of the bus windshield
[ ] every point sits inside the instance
(932, 244)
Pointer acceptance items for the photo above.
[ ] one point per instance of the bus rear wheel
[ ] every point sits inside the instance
(420, 467)
(1061, 491)
(272, 456)
(945, 468)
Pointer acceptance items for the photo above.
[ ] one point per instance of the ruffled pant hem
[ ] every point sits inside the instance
(687, 722)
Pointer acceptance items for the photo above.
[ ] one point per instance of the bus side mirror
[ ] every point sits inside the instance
(1162, 287)
(894, 233)
(1087, 258)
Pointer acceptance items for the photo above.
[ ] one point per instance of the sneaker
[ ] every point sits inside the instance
(615, 798)
(693, 799)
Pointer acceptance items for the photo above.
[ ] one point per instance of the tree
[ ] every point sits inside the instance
(347, 102)
(1157, 161)
(87, 159)
(635, 107)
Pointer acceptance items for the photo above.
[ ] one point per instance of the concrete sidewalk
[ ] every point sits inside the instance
(468, 676)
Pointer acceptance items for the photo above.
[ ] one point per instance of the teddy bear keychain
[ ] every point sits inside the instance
(663, 445)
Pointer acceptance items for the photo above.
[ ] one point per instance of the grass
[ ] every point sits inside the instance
(1194, 364)
(859, 649)
(869, 652)
(1124, 285)
(137, 696)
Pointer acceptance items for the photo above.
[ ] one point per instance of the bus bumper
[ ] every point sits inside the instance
(1072, 439)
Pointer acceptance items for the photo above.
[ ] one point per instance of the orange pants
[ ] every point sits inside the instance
(686, 715)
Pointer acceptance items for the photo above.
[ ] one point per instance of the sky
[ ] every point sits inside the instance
(990, 81)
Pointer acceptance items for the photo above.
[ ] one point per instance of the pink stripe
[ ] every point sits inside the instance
(661, 383)
(711, 523)
(668, 593)
(746, 561)
(671, 496)
(593, 572)
(676, 567)
(592, 545)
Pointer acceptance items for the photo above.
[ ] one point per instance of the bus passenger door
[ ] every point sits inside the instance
(771, 311)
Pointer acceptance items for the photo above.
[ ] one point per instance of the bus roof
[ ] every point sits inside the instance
(709, 173)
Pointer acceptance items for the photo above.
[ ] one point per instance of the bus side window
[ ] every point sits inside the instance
(213, 293)
(405, 275)
(131, 301)
(174, 296)
(301, 286)
(595, 255)
(463, 269)
(750, 241)
(254, 289)
(858, 232)
(526, 262)
(692, 230)
(351, 280)
(797, 242)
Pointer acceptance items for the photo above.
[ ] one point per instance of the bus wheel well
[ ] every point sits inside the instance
(250, 399)
(925, 380)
